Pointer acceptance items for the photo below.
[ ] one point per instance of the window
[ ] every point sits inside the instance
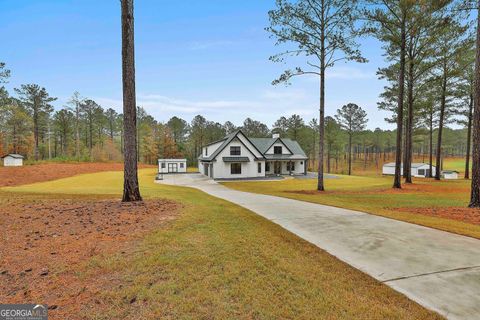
(421, 172)
(290, 166)
(236, 168)
(163, 165)
(301, 163)
(234, 151)
(181, 164)
(277, 150)
(267, 167)
(206, 152)
(259, 165)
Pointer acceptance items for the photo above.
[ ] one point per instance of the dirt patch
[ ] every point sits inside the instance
(15, 176)
(467, 215)
(45, 246)
(431, 187)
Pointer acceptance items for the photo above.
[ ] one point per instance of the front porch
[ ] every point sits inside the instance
(285, 167)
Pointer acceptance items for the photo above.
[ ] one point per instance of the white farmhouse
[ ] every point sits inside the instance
(237, 156)
(419, 170)
(12, 160)
(172, 165)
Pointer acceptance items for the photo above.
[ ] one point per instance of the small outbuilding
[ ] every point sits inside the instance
(172, 165)
(419, 170)
(12, 160)
(450, 174)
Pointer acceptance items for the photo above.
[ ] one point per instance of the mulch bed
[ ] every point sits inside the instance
(45, 243)
(467, 215)
(15, 176)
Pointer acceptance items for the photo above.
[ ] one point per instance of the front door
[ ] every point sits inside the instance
(172, 168)
(277, 168)
(205, 169)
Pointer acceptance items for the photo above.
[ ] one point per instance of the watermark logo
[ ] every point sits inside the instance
(23, 312)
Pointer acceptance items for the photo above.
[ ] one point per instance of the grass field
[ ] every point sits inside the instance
(220, 261)
(372, 169)
(375, 195)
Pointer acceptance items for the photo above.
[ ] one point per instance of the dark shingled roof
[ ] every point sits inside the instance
(262, 145)
(13, 155)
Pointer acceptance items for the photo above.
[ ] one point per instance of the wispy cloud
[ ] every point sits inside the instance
(159, 104)
(203, 45)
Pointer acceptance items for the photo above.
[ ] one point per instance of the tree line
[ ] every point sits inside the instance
(83, 130)
(431, 47)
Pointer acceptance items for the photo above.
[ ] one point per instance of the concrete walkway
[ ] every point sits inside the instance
(439, 270)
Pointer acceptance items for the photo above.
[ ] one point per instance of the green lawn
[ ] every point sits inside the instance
(375, 195)
(220, 261)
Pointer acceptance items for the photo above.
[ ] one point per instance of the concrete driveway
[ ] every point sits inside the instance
(439, 270)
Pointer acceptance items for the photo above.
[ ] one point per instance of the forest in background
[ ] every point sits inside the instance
(83, 130)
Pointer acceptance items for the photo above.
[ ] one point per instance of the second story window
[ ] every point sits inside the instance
(277, 150)
(206, 152)
(234, 151)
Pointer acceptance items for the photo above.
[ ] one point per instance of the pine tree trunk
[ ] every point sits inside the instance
(365, 157)
(131, 190)
(440, 125)
(409, 134)
(397, 183)
(475, 192)
(430, 147)
(350, 154)
(35, 128)
(321, 129)
(469, 138)
(328, 158)
(77, 132)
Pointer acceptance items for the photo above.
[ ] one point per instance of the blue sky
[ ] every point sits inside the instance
(207, 57)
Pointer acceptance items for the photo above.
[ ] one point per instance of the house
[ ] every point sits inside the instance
(12, 160)
(450, 174)
(238, 156)
(419, 170)
(172, 165)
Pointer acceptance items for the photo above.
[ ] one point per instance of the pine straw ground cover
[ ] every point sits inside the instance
(437, 204)
(14, 176)
(45, 244)
(216, 260)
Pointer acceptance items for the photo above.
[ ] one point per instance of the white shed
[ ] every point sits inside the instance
(450, 174)
(172, 165)
(12, 160)
(420, 170)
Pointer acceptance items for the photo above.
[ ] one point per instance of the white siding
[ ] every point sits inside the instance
(278, 144)
(250, 146)
(389, 170)
(12, 162)
(221, 170)
(450, 176)
(170, 165)
(211, 149)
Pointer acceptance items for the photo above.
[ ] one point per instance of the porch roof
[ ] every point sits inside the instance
(285, 157)
(236, 159)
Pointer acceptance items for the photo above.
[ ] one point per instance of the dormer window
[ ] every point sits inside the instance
(235, 151)
(277, 150)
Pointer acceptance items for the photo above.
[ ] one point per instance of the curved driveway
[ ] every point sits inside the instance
(439, 270)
